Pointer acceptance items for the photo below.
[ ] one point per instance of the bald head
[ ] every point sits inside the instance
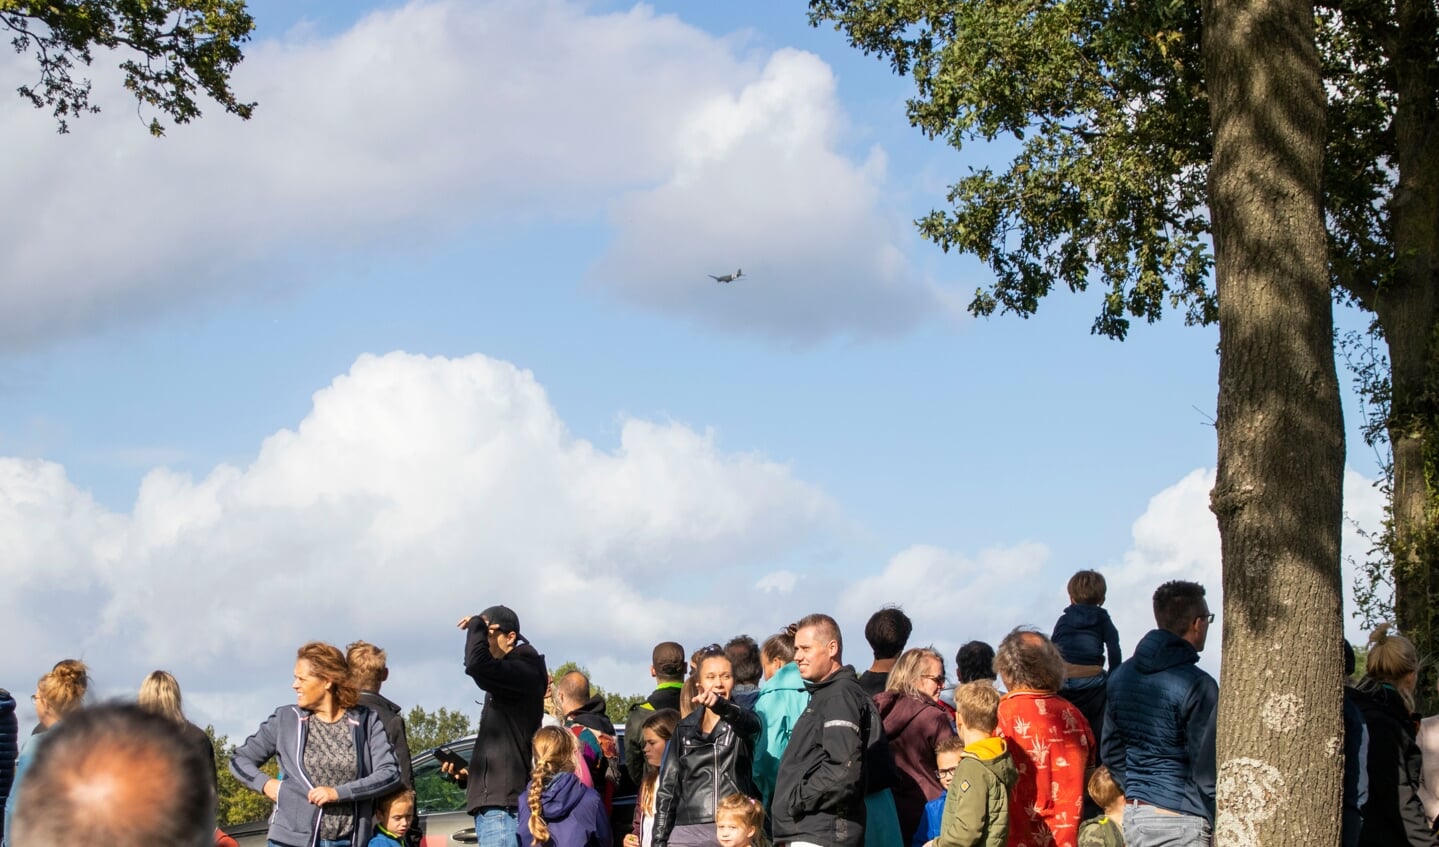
(572, 690)
(115, 775)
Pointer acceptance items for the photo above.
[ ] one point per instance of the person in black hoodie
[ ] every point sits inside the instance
(9, 749)
(512, 674)
(369, 668)
(819, 792)
(1393, 815)
(667, 666)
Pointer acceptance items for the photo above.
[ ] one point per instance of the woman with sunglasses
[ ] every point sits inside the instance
(915, 723)
(710, 755)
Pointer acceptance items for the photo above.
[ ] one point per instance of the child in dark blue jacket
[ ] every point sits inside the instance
(1083, 634)
(556, 809)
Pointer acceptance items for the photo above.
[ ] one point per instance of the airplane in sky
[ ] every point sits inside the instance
(727, 277)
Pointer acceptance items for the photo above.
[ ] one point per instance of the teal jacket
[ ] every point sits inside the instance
(782, 699)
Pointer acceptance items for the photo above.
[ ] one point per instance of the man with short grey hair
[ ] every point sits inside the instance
(115, 775)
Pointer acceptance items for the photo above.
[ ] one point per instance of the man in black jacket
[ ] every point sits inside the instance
(667, 666)
(512, 674)
(369, 668)
(819, 792)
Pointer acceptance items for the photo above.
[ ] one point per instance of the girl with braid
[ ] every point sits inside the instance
(556, 809)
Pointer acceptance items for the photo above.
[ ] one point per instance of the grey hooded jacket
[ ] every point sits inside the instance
(295, 821)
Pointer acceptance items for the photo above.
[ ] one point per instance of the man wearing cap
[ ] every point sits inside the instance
(512, 674)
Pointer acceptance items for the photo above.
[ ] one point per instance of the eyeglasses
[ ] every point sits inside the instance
(937, 679)
(945, 773)
(711, 650)
(1209, 618)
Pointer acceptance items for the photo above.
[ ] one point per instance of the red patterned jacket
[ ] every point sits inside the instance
(1052, 747)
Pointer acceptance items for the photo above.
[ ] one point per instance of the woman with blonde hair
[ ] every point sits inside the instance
(333, 752)
(654, 734)
(556, 809)
(160, 694)
(57, 694)
(915, 723)
(1393, 814)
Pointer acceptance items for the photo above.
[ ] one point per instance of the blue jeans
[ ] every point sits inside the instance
(495, 827)
(1147, 826)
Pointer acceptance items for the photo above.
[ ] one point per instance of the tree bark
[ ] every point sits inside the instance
(1408, 312)
(1278, 495)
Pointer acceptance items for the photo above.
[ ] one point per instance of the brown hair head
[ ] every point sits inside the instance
(1027, 659)
(64, 687)
(976, 704)
(328, 663)
(1103, 790)
(368, 665)
(1087, 588)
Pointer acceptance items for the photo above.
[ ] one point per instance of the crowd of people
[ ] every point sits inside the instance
(1045, 739)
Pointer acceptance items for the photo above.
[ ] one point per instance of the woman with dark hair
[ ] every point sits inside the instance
(915, 723)
(1393, 814)
(710, 756)
(782, 699)
(334, 757)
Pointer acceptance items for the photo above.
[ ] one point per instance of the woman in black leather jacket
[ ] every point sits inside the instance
(710, 756)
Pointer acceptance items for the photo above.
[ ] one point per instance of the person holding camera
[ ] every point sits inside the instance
(512, 674)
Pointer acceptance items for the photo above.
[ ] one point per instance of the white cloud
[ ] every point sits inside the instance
(421, 121)
(1177, 537)
(416, 491)
(760, 186)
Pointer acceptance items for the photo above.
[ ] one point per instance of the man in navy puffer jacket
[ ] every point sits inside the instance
(1159, 726)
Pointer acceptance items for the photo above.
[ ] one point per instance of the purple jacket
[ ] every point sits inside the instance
(914, 727)
(573, 811)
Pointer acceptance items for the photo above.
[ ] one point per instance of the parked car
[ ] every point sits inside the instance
(441, 803)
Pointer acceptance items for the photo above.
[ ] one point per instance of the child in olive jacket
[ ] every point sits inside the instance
(976, 810)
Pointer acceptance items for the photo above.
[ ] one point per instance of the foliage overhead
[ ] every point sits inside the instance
(1107, 101)
(177, 50)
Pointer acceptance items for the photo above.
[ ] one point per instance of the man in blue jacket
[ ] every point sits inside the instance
(1159, 726)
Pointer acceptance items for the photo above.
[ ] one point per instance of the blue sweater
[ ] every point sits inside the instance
(283, 735)
(1159, 727)
(1083, 633)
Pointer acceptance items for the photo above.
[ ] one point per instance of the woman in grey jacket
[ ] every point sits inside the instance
(335, 758)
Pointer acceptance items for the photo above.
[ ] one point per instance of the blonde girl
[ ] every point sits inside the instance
(739, 822)
(556, 809)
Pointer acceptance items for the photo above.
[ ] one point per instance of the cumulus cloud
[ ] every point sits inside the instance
(954, 597)
(760, 186)
(420, 121)
(416, 491)
(1177, 537)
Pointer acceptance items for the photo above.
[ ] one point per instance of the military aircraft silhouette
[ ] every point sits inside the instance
(727, 277)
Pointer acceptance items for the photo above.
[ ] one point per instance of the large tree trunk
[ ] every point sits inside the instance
(1407, 314)
(1278, 496)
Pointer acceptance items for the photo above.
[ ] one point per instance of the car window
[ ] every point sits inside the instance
(435, 792)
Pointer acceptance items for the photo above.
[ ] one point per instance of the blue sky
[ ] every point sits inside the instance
(211, 448)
